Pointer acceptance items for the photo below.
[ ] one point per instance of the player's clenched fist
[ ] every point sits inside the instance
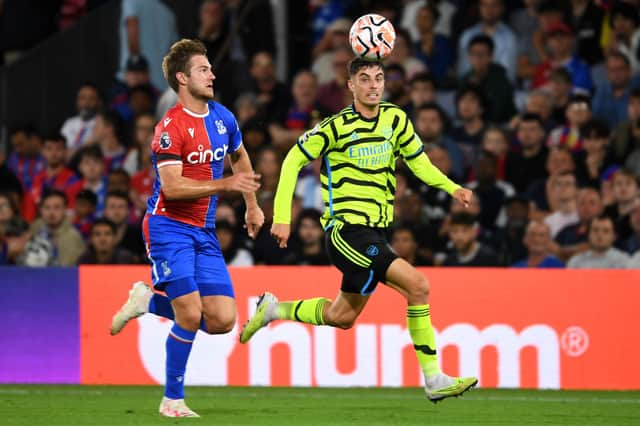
(281, 231)
(242, 182)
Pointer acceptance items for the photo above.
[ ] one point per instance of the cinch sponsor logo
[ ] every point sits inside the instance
(207, 156)
(378, 353)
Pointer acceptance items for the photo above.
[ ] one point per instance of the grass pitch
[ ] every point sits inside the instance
(119, 405)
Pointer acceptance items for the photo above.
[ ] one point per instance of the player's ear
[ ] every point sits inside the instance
(350, 84)
(182, 78)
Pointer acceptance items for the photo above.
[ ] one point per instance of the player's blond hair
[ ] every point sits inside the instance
(177, 60)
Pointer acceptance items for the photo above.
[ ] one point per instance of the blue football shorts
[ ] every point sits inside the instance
(185, 258)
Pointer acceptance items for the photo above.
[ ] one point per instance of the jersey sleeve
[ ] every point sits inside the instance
(167, 145)
(315, 142)
(311, 145)
(235, 135)
(408, 142)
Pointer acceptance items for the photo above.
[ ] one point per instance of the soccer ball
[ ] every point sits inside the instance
(372, 37)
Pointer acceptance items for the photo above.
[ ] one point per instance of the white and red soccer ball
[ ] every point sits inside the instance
(372, 37)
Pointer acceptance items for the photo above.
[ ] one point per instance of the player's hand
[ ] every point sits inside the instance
(242, 182)
(281, 231)
(463, 195)
(254, 219)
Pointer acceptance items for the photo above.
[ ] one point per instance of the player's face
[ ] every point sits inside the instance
(367, 86)
(200, 78)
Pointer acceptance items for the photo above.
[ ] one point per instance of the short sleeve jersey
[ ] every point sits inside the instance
(198, 142)
(359, 157)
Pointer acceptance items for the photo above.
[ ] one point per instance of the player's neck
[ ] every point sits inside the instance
(368, 112)
(197, 106)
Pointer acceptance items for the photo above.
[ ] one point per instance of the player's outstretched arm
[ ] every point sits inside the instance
(254, 217)
(291, 166)
(424, 170)
(177, 187)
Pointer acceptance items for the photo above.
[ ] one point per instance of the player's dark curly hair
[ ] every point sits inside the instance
(357, 64)
(177, 60)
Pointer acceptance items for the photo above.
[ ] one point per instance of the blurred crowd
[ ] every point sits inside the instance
(534, 105)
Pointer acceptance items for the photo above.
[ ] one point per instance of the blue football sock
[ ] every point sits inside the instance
(161, 306)
(179, 344)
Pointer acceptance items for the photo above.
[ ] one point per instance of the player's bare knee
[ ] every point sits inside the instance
(189, 318)
(418, 291)
(220, 324)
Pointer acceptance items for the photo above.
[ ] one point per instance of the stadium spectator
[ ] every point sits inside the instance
(233, 253)
(403, 55)
(577, 113)
(103, 248)
(632, 244)
(524, 23)
(625, 33)
(268, 167)
(127, 236)
(586, 21)
(634, 261)
(558, 161)
(143, 127)
(573, 239)
(91, 168)
(228, 60)
(625, 197)
(303, 113)
(592, 162)
(308, 242)
(537, 239)
(13, 230)
(335, 94)
(142, 182)
(491, 78)
(396, 88)
(78, 129)
(273, 96)
(335, 36)
(137, 82)
(108, 135)
(55, 174)
(467, 250)
(470, 107)
(308, 188)
(560, 44)
(434, 50)
(431, 124)
(491, 191)
(625, 141)
(491, 24)
(496, 141)
(255, 136)
(601, 253)
(560, 88)
(26, 161)
(561, 193)
(422, 90)
(84, 212)
(9, 183)
(509, 240)
(612, 96)
(436, 201)
(54, 241)
(446, 9)
(246, 108)
(537, 102)
(404, 243)
(118, 180)
(139, 35)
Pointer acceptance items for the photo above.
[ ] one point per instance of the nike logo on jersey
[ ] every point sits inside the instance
(167, 121)
(191, 131)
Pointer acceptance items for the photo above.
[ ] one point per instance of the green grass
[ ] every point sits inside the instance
(118, 405)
